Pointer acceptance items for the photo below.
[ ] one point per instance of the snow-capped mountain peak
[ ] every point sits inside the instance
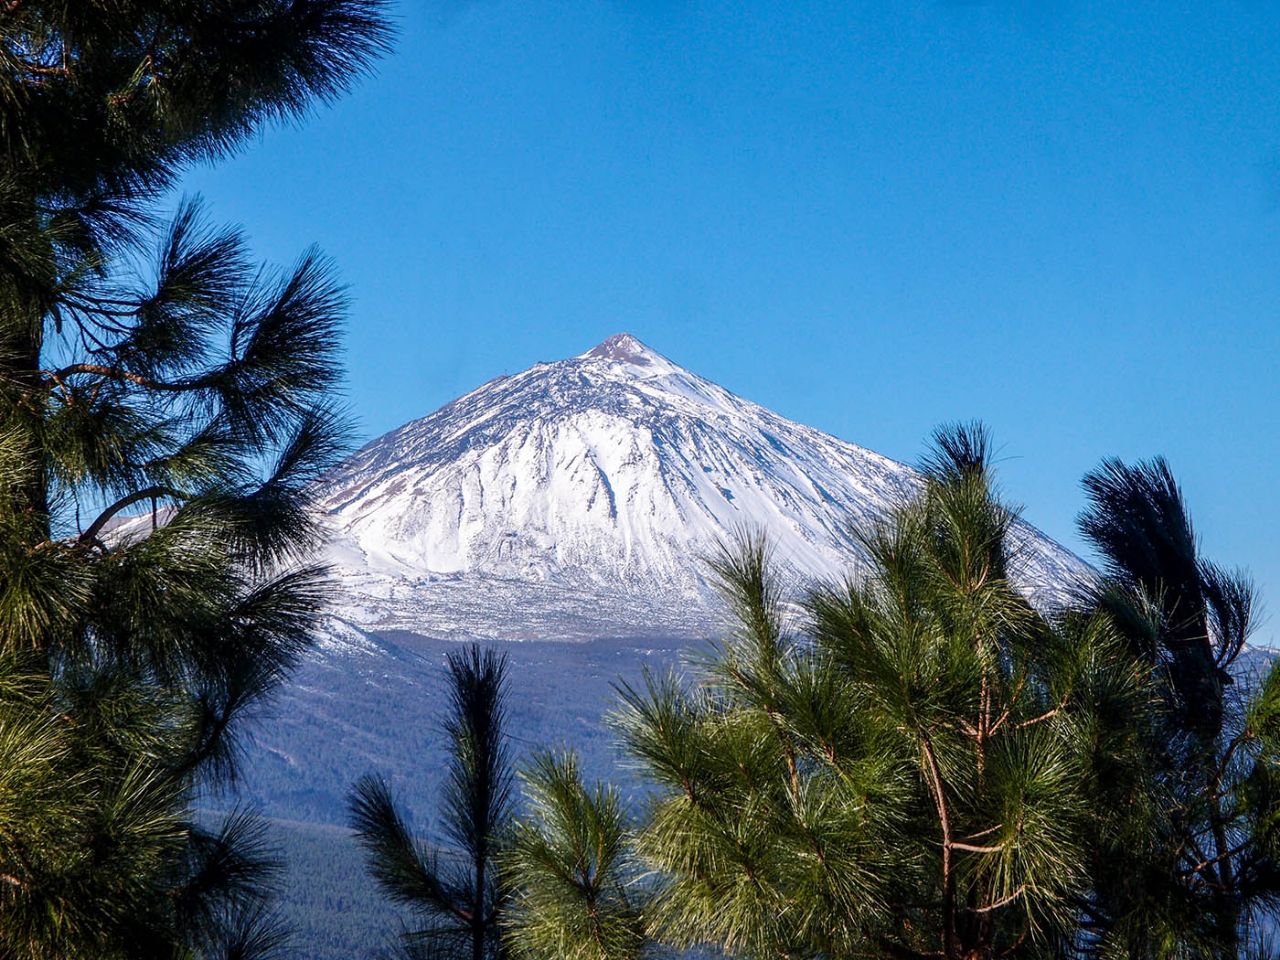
(624, 348)
(579, 497)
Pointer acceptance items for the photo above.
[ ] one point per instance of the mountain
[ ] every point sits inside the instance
(577, 499)
(574, 501)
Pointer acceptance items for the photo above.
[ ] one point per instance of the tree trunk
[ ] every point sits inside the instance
(22, 401)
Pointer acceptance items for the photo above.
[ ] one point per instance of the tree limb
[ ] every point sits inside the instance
(118, 373)
(91, 534)
(1002, 902)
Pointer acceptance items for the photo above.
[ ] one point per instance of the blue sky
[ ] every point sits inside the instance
(1062, 218)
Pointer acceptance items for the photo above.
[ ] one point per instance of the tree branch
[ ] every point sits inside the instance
(91, 534)
(118, 373)
(1002, 902)
(1220, 858)
(972, 848)
(1040, 719)
(114, 373)
(938, 788)
(1022, 937)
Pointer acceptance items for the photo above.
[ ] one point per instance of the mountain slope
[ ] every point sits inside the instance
(577, 499)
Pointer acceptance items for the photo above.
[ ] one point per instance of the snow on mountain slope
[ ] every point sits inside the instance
(577, 498)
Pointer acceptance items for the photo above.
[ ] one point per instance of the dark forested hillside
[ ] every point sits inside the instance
(334, 908)
(331, 726)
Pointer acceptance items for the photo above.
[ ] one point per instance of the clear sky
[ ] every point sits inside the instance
(1062, 218)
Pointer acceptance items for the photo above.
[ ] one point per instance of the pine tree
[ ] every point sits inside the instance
(902, 767)
(569, 865)
(149, 366)
(1201, 850)
(457, 891)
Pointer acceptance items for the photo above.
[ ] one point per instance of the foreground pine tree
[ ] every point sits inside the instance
(1201, 847)
(569, 865)
(455, 890)
(905, 771)
(149, 368)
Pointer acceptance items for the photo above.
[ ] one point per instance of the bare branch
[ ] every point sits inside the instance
(974, 848)
(1002, 902)
(1040, 719)
(91, 534)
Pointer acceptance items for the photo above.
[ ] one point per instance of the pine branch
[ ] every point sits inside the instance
(90, 535)
(1002, 902)
(117, 373)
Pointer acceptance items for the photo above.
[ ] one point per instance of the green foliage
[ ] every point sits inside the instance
(150, 366)
(902, 765)
(1201, 847)
(569, 864)
(100, 856)
(457, 893)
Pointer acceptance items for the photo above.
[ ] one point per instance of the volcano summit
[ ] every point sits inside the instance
(577, 499)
